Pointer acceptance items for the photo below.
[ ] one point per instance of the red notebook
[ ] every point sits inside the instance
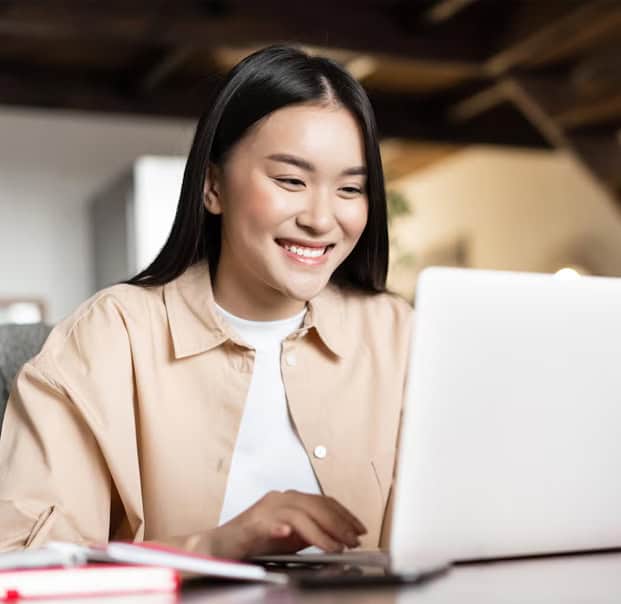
(85, 581)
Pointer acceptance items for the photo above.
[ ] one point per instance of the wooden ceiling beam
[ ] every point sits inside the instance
(478, 103)
(570, 107)
(403, 118)
(59, 90)
(563, 107)
(363, 30)
(598, 149)
(443, 10)
(507, 90)
(161, 70)
(398, 116)
(601, 151)
(533, 107)
(576, 26)
(607, 109)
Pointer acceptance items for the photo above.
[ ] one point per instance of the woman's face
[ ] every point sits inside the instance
(293, 203)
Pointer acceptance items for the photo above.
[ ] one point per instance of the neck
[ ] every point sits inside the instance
(236, 297)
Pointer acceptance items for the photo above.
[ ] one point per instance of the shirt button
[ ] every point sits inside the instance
(320, 452)
(290, 359)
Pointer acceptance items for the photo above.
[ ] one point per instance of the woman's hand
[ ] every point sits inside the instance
(286, 522)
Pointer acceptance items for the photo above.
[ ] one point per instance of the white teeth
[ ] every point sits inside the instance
(305, 252)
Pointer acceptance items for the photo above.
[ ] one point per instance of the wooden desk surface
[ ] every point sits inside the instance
(576, 579)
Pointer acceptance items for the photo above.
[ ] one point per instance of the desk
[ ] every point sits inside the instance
(576, 579)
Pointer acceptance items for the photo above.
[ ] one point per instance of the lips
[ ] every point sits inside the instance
(305, 249)
(306, 252)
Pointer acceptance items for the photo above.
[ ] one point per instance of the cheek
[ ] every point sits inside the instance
(258, 205)
(352, 216)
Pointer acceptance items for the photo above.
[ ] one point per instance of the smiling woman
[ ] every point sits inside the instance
(292, 209)
(242, 394)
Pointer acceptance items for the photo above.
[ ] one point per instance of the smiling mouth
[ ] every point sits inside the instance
(304, 251)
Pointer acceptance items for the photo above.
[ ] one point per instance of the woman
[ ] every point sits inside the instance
(242, 394)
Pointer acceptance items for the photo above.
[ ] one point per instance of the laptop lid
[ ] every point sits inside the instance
(511, 435)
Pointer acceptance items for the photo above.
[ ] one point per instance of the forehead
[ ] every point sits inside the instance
(323, 134)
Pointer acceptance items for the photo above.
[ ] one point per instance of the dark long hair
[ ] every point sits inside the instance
(263, 82)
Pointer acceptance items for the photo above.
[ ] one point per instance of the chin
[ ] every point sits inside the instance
(304, 291)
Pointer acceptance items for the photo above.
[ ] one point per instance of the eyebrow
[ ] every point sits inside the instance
(305, 165)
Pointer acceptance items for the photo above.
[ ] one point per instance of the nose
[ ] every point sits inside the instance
(317, 216)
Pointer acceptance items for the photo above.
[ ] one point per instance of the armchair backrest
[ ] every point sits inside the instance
(18, 344)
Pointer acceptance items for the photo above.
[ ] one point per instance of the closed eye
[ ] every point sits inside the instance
(291, 182)
(351, 191)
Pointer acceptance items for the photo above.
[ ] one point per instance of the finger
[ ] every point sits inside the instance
(326, 515)
(281, 531)
(340, 509)
(308, 529)
(354, 520)
(354, 525)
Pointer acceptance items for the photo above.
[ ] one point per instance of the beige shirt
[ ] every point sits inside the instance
(124, 426)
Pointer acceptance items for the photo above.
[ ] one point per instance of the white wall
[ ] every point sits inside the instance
(51, 165)
(133, 216)
(157, 185)
(44, 251)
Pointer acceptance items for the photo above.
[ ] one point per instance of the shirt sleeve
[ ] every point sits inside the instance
(68, 443)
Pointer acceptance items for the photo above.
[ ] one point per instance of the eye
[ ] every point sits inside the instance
(290, 183)
(351, 191)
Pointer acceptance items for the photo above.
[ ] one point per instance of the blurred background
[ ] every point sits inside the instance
(500, 124)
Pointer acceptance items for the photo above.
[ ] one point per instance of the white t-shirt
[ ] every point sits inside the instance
(268, 452)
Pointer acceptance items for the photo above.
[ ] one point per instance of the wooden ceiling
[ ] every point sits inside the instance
(537, 73)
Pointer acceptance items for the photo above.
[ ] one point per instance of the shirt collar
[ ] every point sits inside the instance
(196, 326)
(327, 316)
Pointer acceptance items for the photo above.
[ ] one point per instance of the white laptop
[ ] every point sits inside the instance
(511, 436)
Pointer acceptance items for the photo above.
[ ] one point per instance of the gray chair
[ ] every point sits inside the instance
(18, 344)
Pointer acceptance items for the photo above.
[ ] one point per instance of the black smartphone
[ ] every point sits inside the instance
(319, 580)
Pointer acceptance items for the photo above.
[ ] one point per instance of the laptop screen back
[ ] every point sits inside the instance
(511, 436)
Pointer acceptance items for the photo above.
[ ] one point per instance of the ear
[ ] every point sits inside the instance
(211, 190)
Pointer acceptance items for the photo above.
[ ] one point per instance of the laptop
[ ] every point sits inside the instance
(510, 442)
